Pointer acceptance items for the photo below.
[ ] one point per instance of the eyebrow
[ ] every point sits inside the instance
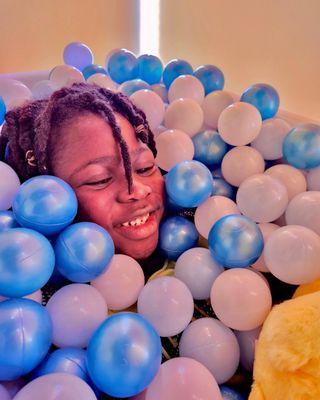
(103, 159)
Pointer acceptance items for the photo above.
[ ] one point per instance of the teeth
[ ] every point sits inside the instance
(138, 221)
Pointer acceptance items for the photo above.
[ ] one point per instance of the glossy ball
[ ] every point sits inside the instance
(43, 89)
(7, 221)
(78, 55)
(161, 91)
(264, 97)
(26, 262)
(211, 77)
(223, 188)
(103, 80)
(189, 183)
(209, 147)
(26, 332)
(230, 394)
(2, 110)
(235, 241)
(92, 69)
(124, 355)
(176, 235)
(313, 179)
(247, 342)
(301, 147)
(122, 66)
(175, 68)
(186, 87)
(46, 204)
(213, 105)
(65, 75)
(151, 104)
(266, 230)
(150, 68)
(9, 186)
(83, 251)
(130, 87)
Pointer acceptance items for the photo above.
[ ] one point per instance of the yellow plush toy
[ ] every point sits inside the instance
(287, 360)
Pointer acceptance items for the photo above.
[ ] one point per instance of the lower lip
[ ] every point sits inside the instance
(141, 231)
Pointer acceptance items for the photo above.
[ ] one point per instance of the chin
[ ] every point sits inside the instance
(140, 249)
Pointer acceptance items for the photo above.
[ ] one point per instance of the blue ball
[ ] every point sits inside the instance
(26, 262)
(301, 147)
(124, 355)
(129, 87)
(223, 188)
(7, 221)
(235, 241)
(176, 235)
(174, 69)
(122, 66)
(230, 394)
(2, 110)
(150, 68)
(26, 334)
(209, 148)
(93, 69)
(78, 55)
(83, 251)
(264, 97)
(211, 77)
(46, 204)
(189, 183)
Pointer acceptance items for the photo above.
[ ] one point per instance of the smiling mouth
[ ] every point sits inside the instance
(138, 221)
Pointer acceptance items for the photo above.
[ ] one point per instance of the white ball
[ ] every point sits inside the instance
(9, 186)
(43, 89)
(186, 87)
(313, 179)
(103, 81)
(266, 229)
(151, 104)
(241, 162)
(14, 93)
(213, 105)
(65, 75)
(161, 91)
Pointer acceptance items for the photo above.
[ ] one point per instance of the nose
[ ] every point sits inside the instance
(139, 191)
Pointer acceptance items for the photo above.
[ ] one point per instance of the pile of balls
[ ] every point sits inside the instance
(249, 184)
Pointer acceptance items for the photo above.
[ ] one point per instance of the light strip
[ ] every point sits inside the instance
(149, 13)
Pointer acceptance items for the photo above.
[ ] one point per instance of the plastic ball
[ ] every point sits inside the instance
(65, 75)
(209, 147)
(186, 87)
(151, 104)
(102, 80)
(9, 186)
(239, 124)
(78, 55)
(26, 262)
(2, 110)
(92, 69)
(235, 241)
(43, 89)
(292, 254)
(198, 270)
(76, 311)
(173, 146)
(4, 394)
(264, 97)
(161, 91)
(121, 284)
(301, 147)
(183, 378)
(292, 178)
(266, 230)
(122, 66)
(247, 342)
(130, 87)
(124, 355)
(313, 179)
(167, 303)
(14, 93)
(176, 235)
(214, 345)
(184, 114)
(213, 105)
(175, 68)
(35, 296)
(249, 299)
(230, 394)
(222, 188)
(270, 139)
(83, 251)
(209, 212)
(189, 183)
(56, 386)
(240, 163)
(262, 198)
(150, 68)
(46, 204)
(211, 77)
(26, 332)
(7, 221)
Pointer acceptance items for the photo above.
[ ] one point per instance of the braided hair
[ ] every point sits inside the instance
(27, 135)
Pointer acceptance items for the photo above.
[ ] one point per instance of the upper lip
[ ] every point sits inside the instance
(137, 214)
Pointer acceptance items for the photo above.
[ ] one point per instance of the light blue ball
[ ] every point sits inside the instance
(122, 66)
(301, 147)
(26, 334)
(235, 241)
(175, 68)
(78, 55)
(211, 77)
(209, 148)
(83, 251)
(93, 69)
(177, 235)
(189, 183)
(264, 97)
(230, 394)
(2, 110)
(46, 204)
(129, 87)
(150, 68)
(223, 188)
(124, 355)
(26, 262)
(7, 221)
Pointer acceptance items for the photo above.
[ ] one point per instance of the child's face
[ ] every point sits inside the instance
(89, 159)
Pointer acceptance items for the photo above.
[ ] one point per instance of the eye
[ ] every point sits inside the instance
(100, 182)
(146, 171)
